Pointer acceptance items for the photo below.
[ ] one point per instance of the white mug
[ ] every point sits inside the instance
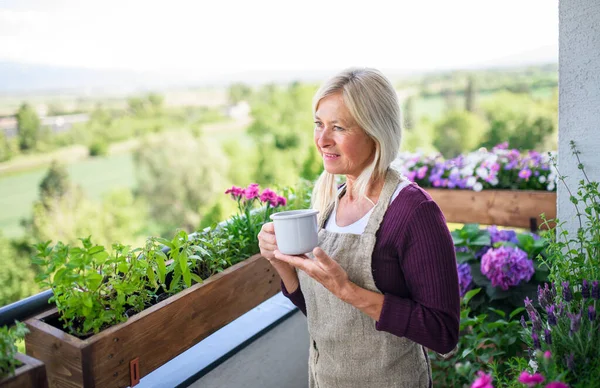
(296, 231)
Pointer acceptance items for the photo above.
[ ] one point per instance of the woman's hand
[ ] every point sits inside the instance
(268, 245)
(324, 269)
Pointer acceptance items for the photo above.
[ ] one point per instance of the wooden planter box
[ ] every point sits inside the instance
(517, 208)
(32, 374)
(120, 355)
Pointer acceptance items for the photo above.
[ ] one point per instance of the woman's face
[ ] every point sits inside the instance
(345, 147)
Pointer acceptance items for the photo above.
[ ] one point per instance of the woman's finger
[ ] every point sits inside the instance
(297, 261)
(267, 237)
(266, 246)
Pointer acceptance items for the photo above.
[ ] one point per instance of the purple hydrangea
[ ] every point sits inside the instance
(506, 266)
(502, 235)
(465, 280)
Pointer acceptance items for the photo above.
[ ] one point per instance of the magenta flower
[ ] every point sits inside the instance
(506, 266)
(483, 381)
(268, 195)
(547, 355)
(531, 379)
(281, 201)
(236, 192)
(557, 384)
(251, 191)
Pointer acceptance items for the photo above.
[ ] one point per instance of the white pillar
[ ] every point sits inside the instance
(579, 98)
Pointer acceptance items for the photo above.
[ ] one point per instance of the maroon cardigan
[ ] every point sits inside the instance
(414, 266)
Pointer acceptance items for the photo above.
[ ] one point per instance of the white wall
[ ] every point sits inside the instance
(579, 97)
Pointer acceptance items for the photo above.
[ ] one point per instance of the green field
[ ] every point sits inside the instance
(96, 176)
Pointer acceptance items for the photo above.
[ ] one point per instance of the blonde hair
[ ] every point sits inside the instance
(373, 103)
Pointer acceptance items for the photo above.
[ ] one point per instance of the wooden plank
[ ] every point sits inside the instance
(495, 207)
(32, 374)
(60, 352)
(165, 330)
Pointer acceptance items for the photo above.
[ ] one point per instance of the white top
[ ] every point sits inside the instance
(359, 226)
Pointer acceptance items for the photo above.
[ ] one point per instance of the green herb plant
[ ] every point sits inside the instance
(8, 348)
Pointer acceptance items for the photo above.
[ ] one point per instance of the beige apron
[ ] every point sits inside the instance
(346, 351)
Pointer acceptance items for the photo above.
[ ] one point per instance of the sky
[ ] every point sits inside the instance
(223, 37)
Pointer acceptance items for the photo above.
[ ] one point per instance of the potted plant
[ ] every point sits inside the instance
(18, 370)
(121, 314)
(497, 187)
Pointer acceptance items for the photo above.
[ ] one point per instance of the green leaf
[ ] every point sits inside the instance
(515, 312)
(101, 257)
(183, 263)
(87, 301)
(93, 280)
(197, 278)
(165, 242)
(96, 249)
(187, 278)
(481, 240)
(470, 294)
(499, 312)
(464, 257)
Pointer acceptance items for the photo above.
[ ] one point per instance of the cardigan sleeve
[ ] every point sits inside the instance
(296, 297)
(430, 316)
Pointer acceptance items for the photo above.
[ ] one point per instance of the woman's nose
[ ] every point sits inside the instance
(324, 138)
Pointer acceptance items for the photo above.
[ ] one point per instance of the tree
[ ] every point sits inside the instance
(458, 132)
(449, 99)
(238, 92)
(470, 95)
(16, 275)
(28, 127)
(6, 147)
(156, 102)
(55, 183)
(519, 119)
(179, 176)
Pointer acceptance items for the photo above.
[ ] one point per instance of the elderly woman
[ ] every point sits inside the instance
(382, 286)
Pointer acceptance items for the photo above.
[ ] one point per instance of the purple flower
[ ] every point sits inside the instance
(591, 313)
(595, 290)
(530, 379)
(464, 278)
(567, 294)
(551, 315)
(482, 381)
(421, 172)
(506, 266)
(585, 290)
(502, 235)
(548, 336)
(575, 322)
(525, 174)
(536, 340)
(523, 323)
(545, 297)
(570, 361)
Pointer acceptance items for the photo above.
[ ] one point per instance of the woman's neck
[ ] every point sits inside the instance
(373, 190)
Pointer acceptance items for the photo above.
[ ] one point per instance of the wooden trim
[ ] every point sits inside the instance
(495, 207)
(155, 335)
(32, 374)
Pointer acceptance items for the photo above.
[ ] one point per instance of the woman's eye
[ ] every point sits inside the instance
(338, 128)
(318, 124)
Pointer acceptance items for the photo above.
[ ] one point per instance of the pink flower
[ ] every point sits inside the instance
(236, 192)
(268, 195)
(281, 201)
(557, 384)
(251, 191)
(531, 379)
(547, 355)
(483, 381)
